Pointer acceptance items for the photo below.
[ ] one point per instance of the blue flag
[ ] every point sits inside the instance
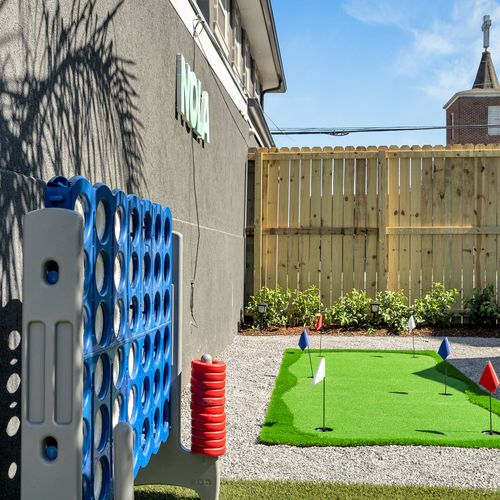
(445, 348)
(303, 341)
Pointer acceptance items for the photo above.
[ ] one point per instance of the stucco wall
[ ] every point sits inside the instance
(99, 100)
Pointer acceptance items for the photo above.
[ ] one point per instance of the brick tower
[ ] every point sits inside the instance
(478, 107)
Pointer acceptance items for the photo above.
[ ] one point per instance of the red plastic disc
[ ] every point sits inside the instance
(200, 400)
(207, 417)
(214, 367)
(209, 452)
(214, 410)
(200, 434)
(208, 376)
(208, 393)
(207, 426)
(208, 384)
(208, 443)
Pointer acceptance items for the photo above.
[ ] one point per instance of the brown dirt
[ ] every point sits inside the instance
(451, 331)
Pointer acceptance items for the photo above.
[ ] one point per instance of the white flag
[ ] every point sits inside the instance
(411, 324)
(320, 372)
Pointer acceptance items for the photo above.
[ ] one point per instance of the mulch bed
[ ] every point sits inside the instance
(336, 331)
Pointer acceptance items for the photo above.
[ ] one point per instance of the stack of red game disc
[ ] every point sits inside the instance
(208, 416)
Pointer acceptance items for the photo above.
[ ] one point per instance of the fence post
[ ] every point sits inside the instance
(382, 221)
(257, 224)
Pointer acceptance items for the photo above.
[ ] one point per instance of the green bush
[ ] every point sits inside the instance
(277, 303)
(435, 308)
(351, 310)
(304, 305)
(394, 311)
(482, 308)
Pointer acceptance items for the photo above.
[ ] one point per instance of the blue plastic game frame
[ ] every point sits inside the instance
(127, 323)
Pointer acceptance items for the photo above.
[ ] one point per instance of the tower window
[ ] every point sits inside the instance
(493, 120)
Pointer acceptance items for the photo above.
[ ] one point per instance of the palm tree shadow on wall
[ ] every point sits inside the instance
(67, 107)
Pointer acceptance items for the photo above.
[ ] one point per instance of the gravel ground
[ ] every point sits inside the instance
(252, 365)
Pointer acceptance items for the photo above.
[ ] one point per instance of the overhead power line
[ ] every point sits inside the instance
(340, 131)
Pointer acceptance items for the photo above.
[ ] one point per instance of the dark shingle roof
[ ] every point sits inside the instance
(486, 77)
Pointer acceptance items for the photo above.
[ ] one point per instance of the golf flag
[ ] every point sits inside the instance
(489, 379)
(319, 321)
(411, 324)
(320, 372)
(445, 348)
(303, 341)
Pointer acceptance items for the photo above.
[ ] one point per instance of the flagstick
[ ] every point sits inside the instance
(320, 342)
(491, 423)
(324, 398)
(413, 337)
(310, 362)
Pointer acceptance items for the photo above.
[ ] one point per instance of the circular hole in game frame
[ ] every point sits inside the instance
(101, 219)
(145, 435)
(167, 232)
(134, 224)
(166, 377)
(146, 309)
(118, 367)
(132, 359)
(157, 345)
(117, 271)
(147, 226)
(101, 427)
(118, 318)
(166, 340)
(118, 221)
(166, 304)
(131, 404)
(101, 376)
(82, 207)
(145, 392)
(156, 424)
(156, 384)
(100, 324)
(157, 306)
(146, 267)
(146, 351)
(50, 272)
(117, 408)
(157, 267)
(133, 269)
(166, 413)
(101, 479)
(101, 272)
(166, 267)
(133, 313)
(157, 227)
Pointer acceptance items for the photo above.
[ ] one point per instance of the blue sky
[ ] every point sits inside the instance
(376, 63)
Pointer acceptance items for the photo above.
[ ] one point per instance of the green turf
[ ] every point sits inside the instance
(291, 490)
(377, 397)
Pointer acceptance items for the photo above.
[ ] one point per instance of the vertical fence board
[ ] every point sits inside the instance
(347, 240)
(359, 260)
(293, 240)
(479, 221)
(283, 184)
(305, 211)
(490, 219)
(438, 257)
(257, 224)
(326, 239)
(382, 246)
(415, 221)
(426, 197)
(393, 221)
(272, 221)
(456, 220)
(404, 221)
(315, 240)
(371, 221)
(337, 221)
(468, 220)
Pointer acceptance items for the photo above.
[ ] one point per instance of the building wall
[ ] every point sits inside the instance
(471, 111)
(98, 100)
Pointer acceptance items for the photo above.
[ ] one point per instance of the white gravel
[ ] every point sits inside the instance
(252, 365)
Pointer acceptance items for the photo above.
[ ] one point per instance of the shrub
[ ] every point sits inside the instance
(304, 305)
(352, 309)
(482, 308)
(435, 308)
(277, 303)
(394, 311)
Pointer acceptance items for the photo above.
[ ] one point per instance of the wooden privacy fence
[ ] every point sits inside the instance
(377, 218)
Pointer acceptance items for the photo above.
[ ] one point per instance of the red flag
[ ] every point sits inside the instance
(319, 321)
(489, 379)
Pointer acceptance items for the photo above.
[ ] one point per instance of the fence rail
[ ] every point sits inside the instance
(377, 218)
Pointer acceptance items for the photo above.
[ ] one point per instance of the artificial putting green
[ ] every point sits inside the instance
(377, 398)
